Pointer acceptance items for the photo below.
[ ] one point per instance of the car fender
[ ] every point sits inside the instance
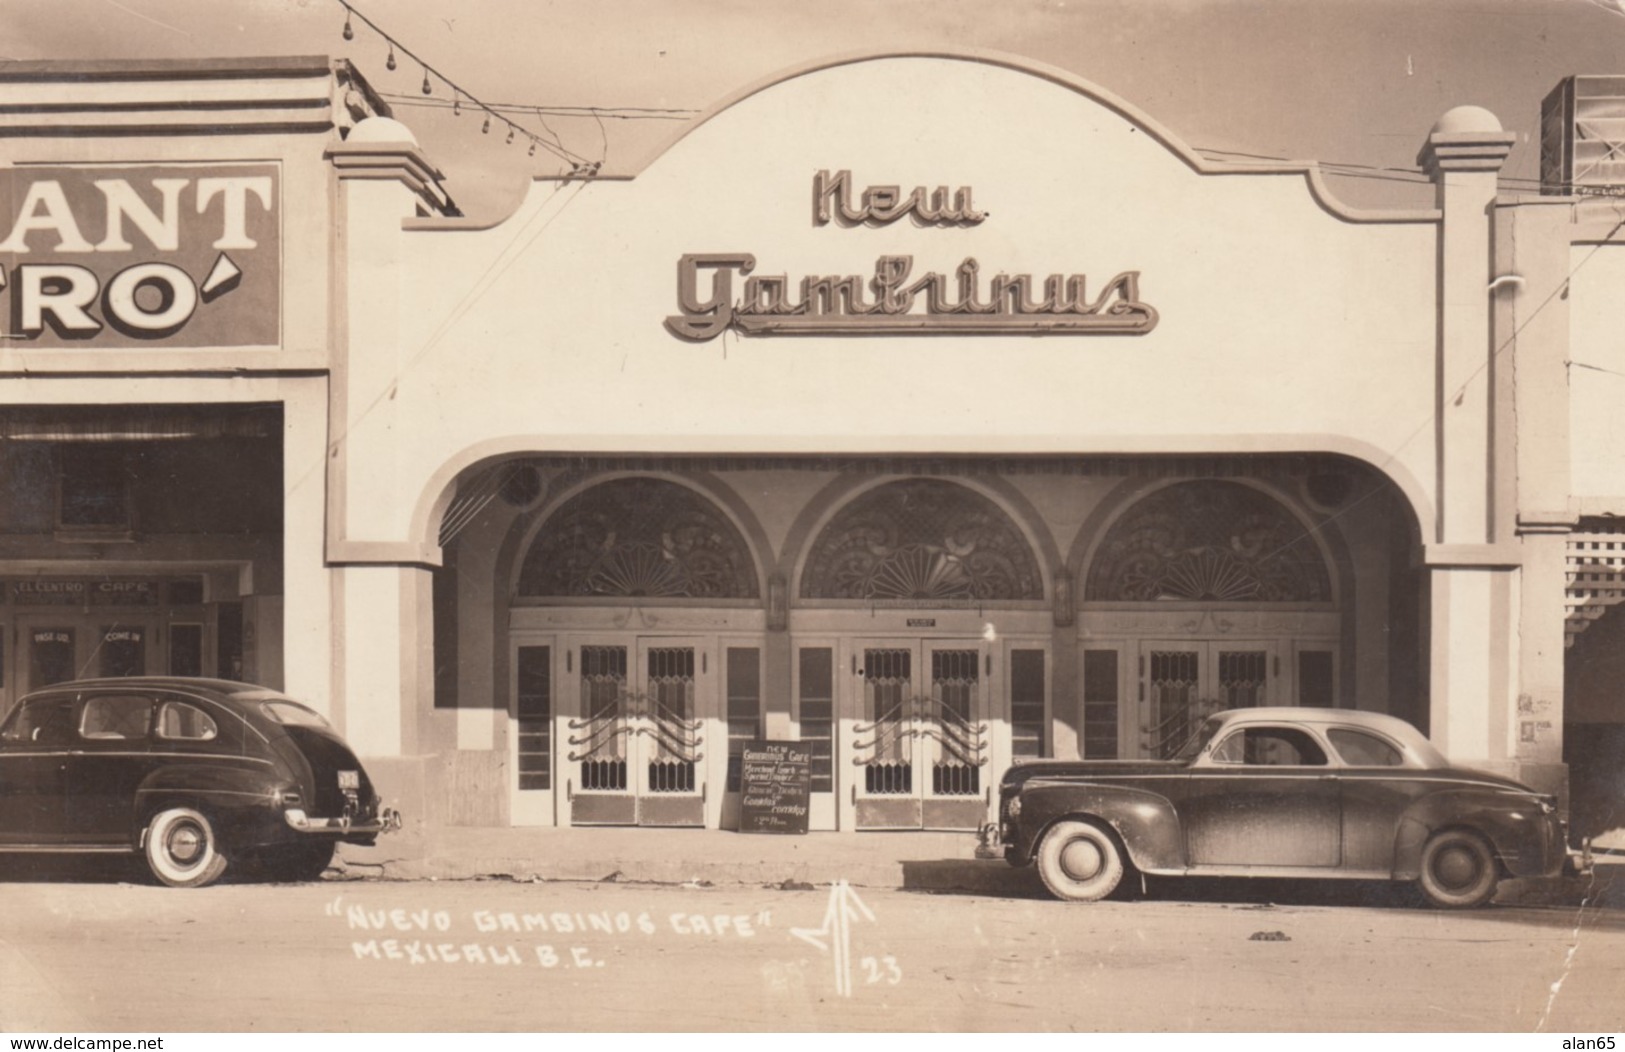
(1516, 828)
(1146, 822)
(244, 802)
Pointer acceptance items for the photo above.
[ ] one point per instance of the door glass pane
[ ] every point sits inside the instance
(1242, 676)
(534, 709)
(883, 743)
(601, 739)
(1027, 724)
(1315, 678)
(954, 737)
(50, 656)
(1100, 704)
(123, 651)
(185, 650)
(817, 714)
(744, 706)
(670, 699)
(1175, 707)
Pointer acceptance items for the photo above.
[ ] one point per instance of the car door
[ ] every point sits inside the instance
(107, 765)
(1377, 789)
(34, 750)
(1264, 797)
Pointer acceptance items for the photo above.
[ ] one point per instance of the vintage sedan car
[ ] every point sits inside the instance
(190, 772)
(1280, 792)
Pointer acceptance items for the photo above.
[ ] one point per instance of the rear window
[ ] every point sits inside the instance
(293, 714)
(1360, 749)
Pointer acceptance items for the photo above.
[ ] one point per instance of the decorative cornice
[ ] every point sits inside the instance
(1475, 151)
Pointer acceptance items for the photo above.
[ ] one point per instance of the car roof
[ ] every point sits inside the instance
(1405, 734)
(229, 691)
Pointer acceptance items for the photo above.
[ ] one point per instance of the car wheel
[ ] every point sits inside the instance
(1458, 870)
(183, 850)
(300, 862)
(1079, 862)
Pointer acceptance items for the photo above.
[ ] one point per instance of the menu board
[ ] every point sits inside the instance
(775, 783)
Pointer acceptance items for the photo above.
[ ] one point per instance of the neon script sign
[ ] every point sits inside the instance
(185, 256)
(894, 299)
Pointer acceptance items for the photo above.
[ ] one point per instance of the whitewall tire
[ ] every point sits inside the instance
(183, 850)
(1079, 861)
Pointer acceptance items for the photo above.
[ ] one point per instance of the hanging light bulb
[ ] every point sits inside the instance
(486, 127)
(510, 135)
(532, 151)
(456, 105)
(427, 90)
(390, 63)
(349, 30)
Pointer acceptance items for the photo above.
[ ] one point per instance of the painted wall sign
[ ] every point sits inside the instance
(100, 592)
(894, 300)
(181, 256)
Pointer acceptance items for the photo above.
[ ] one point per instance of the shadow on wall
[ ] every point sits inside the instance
(1594, 725)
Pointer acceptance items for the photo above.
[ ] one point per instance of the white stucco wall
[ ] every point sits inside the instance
(1282, 326)
(1597, 374)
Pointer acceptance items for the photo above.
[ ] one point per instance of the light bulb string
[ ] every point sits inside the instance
(560, 150)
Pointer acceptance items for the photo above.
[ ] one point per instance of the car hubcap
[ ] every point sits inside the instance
(185, 845)
(1456, 867)
(1081, 859)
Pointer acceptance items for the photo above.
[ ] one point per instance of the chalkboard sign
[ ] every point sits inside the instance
(775, 783)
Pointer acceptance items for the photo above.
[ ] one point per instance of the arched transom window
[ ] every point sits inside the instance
(1208, 541)
(639, 537)
(921, 540)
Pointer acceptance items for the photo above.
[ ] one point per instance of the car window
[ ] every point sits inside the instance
(1359, 749)
(293, 713)
(182, 722)
(1270, 747)
(116, 717)
(45, 721)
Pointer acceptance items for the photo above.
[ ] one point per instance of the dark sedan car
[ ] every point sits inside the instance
(190, 772)
(1280, 792)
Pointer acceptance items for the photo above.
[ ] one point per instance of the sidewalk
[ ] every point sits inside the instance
(940, 862)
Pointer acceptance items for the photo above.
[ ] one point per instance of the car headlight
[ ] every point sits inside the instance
(1014, 807)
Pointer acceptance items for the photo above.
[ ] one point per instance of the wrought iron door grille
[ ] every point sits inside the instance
(671, 776)
(888, 778)
(1242, 676)
(1174, 678)
(955, 779)
(603, 774)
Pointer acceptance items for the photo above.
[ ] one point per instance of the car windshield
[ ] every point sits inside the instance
(293, 714)
(1197, 742)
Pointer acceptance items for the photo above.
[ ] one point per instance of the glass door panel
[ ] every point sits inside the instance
(600, 738)
(668, 746)
(954, 740)
(1173, 697)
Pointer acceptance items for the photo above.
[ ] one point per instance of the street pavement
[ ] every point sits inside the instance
(918, 861)
(94, 954)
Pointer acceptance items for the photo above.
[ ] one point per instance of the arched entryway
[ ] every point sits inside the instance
(635, 635)
(1202, 595)
(920, 635)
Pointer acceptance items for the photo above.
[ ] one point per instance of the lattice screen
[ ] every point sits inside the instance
(1595, 575)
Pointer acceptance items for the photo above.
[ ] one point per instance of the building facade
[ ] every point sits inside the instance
(936, 410)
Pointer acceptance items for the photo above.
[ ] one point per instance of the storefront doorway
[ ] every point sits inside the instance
(632, 736)
(919, 731)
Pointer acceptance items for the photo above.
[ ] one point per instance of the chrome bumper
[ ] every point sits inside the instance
(1579, 863)
(388, 821)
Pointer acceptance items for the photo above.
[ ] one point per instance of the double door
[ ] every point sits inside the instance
(1182, 682)
(636, 725)
(919, 734)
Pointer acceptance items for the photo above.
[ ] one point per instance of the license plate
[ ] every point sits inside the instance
(349, 779)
